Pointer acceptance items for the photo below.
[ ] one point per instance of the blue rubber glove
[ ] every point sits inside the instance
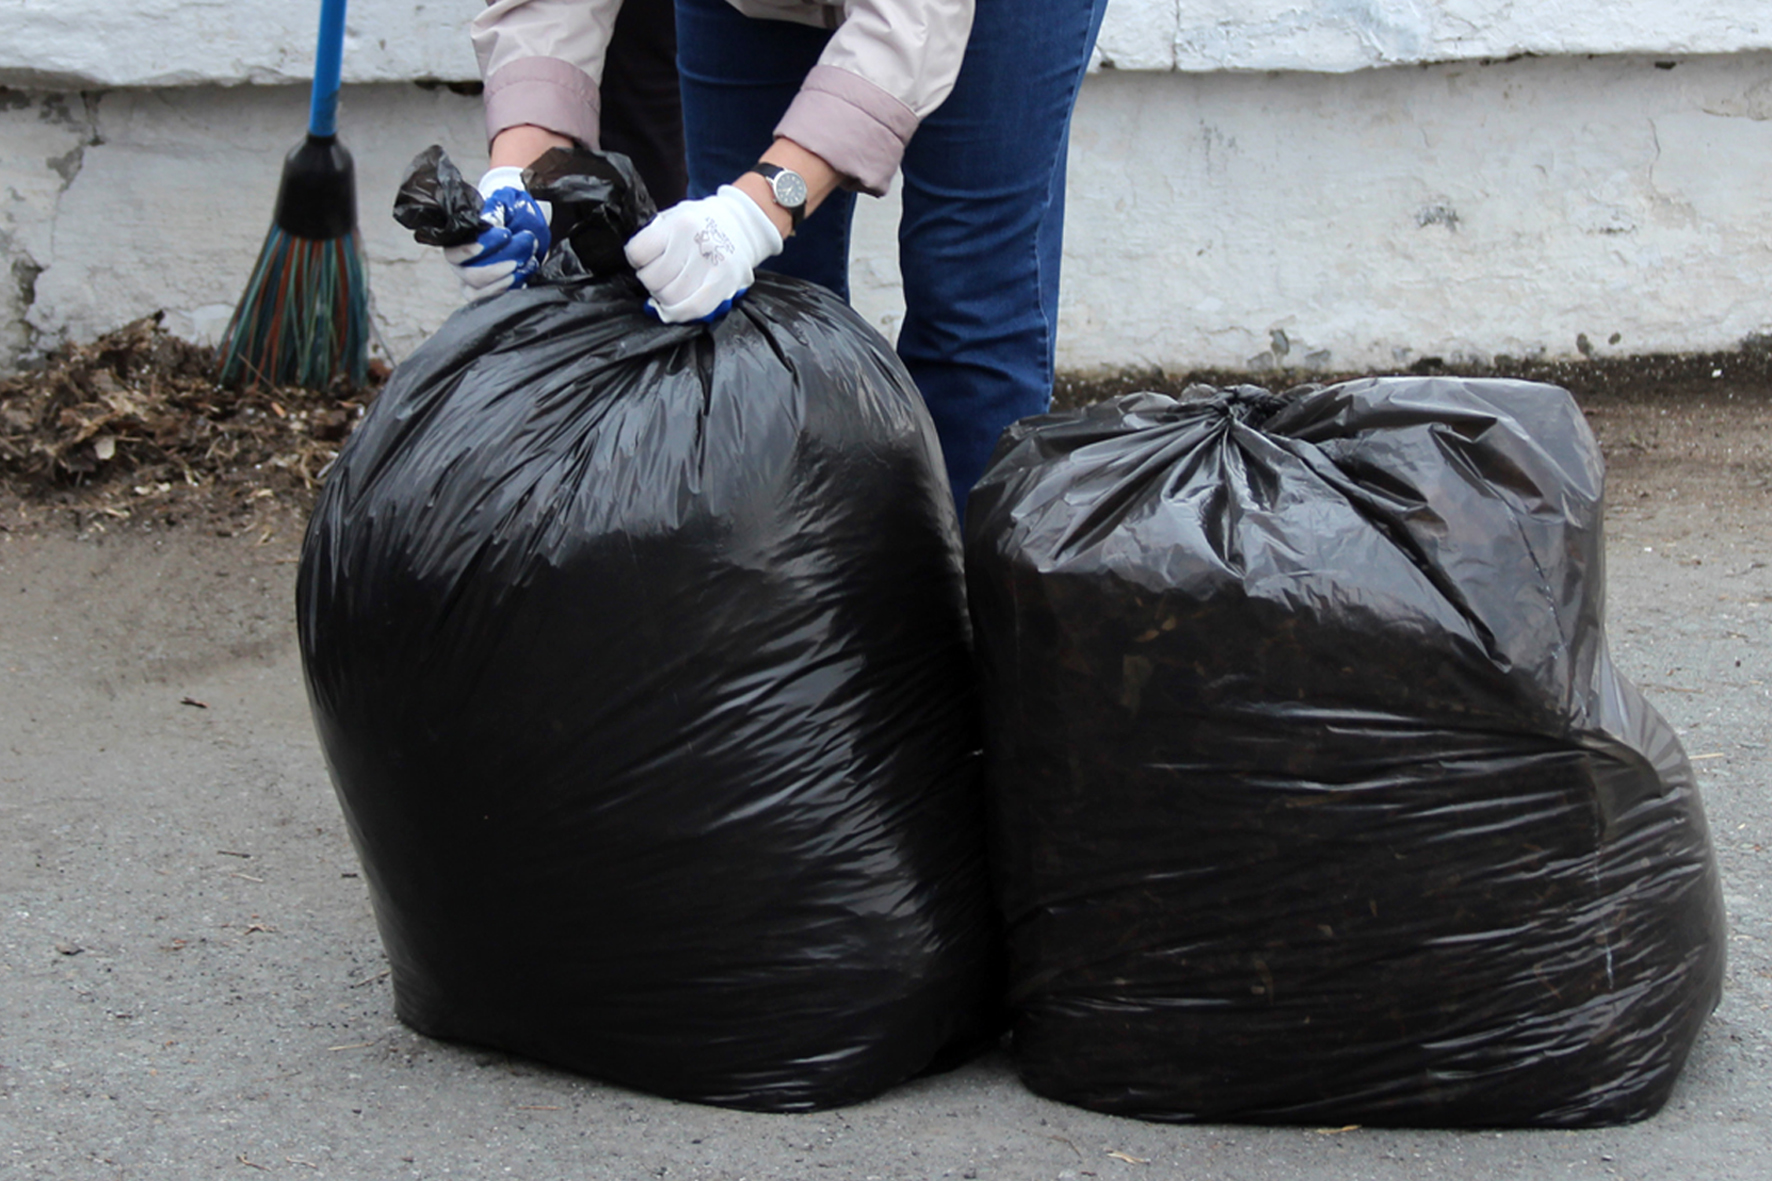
(698, 256)
(515, 240)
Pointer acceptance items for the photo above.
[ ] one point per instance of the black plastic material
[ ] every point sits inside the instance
(436, 202)
(640, 658)
(317, 198)
(597, 203)
(1317, 797)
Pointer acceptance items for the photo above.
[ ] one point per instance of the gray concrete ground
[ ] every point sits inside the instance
(191, 983)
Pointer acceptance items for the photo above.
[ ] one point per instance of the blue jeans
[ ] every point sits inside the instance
(982, 232)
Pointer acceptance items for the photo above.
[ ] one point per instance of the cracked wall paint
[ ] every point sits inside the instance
(1337, 36)
(1755, 103)
(42, 138)
(175, 194)
(89, 44)
(1460, 211)
(1457, 211)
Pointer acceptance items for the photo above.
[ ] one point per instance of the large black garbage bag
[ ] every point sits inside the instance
(640, 658)
(1316, 796)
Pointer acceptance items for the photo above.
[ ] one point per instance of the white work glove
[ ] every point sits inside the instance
(510, 249)
(698, 256)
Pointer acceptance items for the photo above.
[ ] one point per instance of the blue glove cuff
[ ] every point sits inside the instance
(717, 313)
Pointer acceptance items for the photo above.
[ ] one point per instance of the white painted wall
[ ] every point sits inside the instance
(170, 193)
(1257, 185)
(1336, 36)
(83, 44)
(1458, 210)
(129, 43)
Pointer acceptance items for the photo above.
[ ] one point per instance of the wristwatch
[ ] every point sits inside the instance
(788, 188)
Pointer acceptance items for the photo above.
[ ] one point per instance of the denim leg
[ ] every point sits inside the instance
(642, 116)
(983, 229)
(738, 75)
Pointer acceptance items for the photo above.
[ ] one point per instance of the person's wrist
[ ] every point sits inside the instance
(524, 144)
(754, 186)
(753, 222)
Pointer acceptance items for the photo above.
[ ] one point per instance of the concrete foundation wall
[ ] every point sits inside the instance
(82, 44)
(1542, 205)
(1536, 206)
(163, 198)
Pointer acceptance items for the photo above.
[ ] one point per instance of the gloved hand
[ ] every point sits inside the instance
(698, 256)
(515, 240)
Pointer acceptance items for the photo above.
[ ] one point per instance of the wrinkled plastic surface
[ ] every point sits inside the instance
(597, 203)
(1316, 796)
(436, 202)
(640, 657)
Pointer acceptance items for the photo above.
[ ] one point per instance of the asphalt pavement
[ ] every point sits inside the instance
(191, 983)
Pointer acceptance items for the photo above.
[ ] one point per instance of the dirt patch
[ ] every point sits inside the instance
(132, 432)
(134, 427)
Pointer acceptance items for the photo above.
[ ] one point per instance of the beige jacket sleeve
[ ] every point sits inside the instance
(889, 63)
(542, 63)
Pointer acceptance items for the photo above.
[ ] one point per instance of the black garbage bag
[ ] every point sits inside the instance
(640, 659)
(1316, 796)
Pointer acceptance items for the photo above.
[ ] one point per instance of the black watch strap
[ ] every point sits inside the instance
(796, 210)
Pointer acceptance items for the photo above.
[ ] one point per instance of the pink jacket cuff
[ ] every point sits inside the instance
(856, 127)
(545, 92)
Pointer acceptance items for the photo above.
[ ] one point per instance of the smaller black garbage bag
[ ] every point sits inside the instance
(640, 659)
(1316, 796)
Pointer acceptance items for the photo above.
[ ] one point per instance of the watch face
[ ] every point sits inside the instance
(790, 189)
